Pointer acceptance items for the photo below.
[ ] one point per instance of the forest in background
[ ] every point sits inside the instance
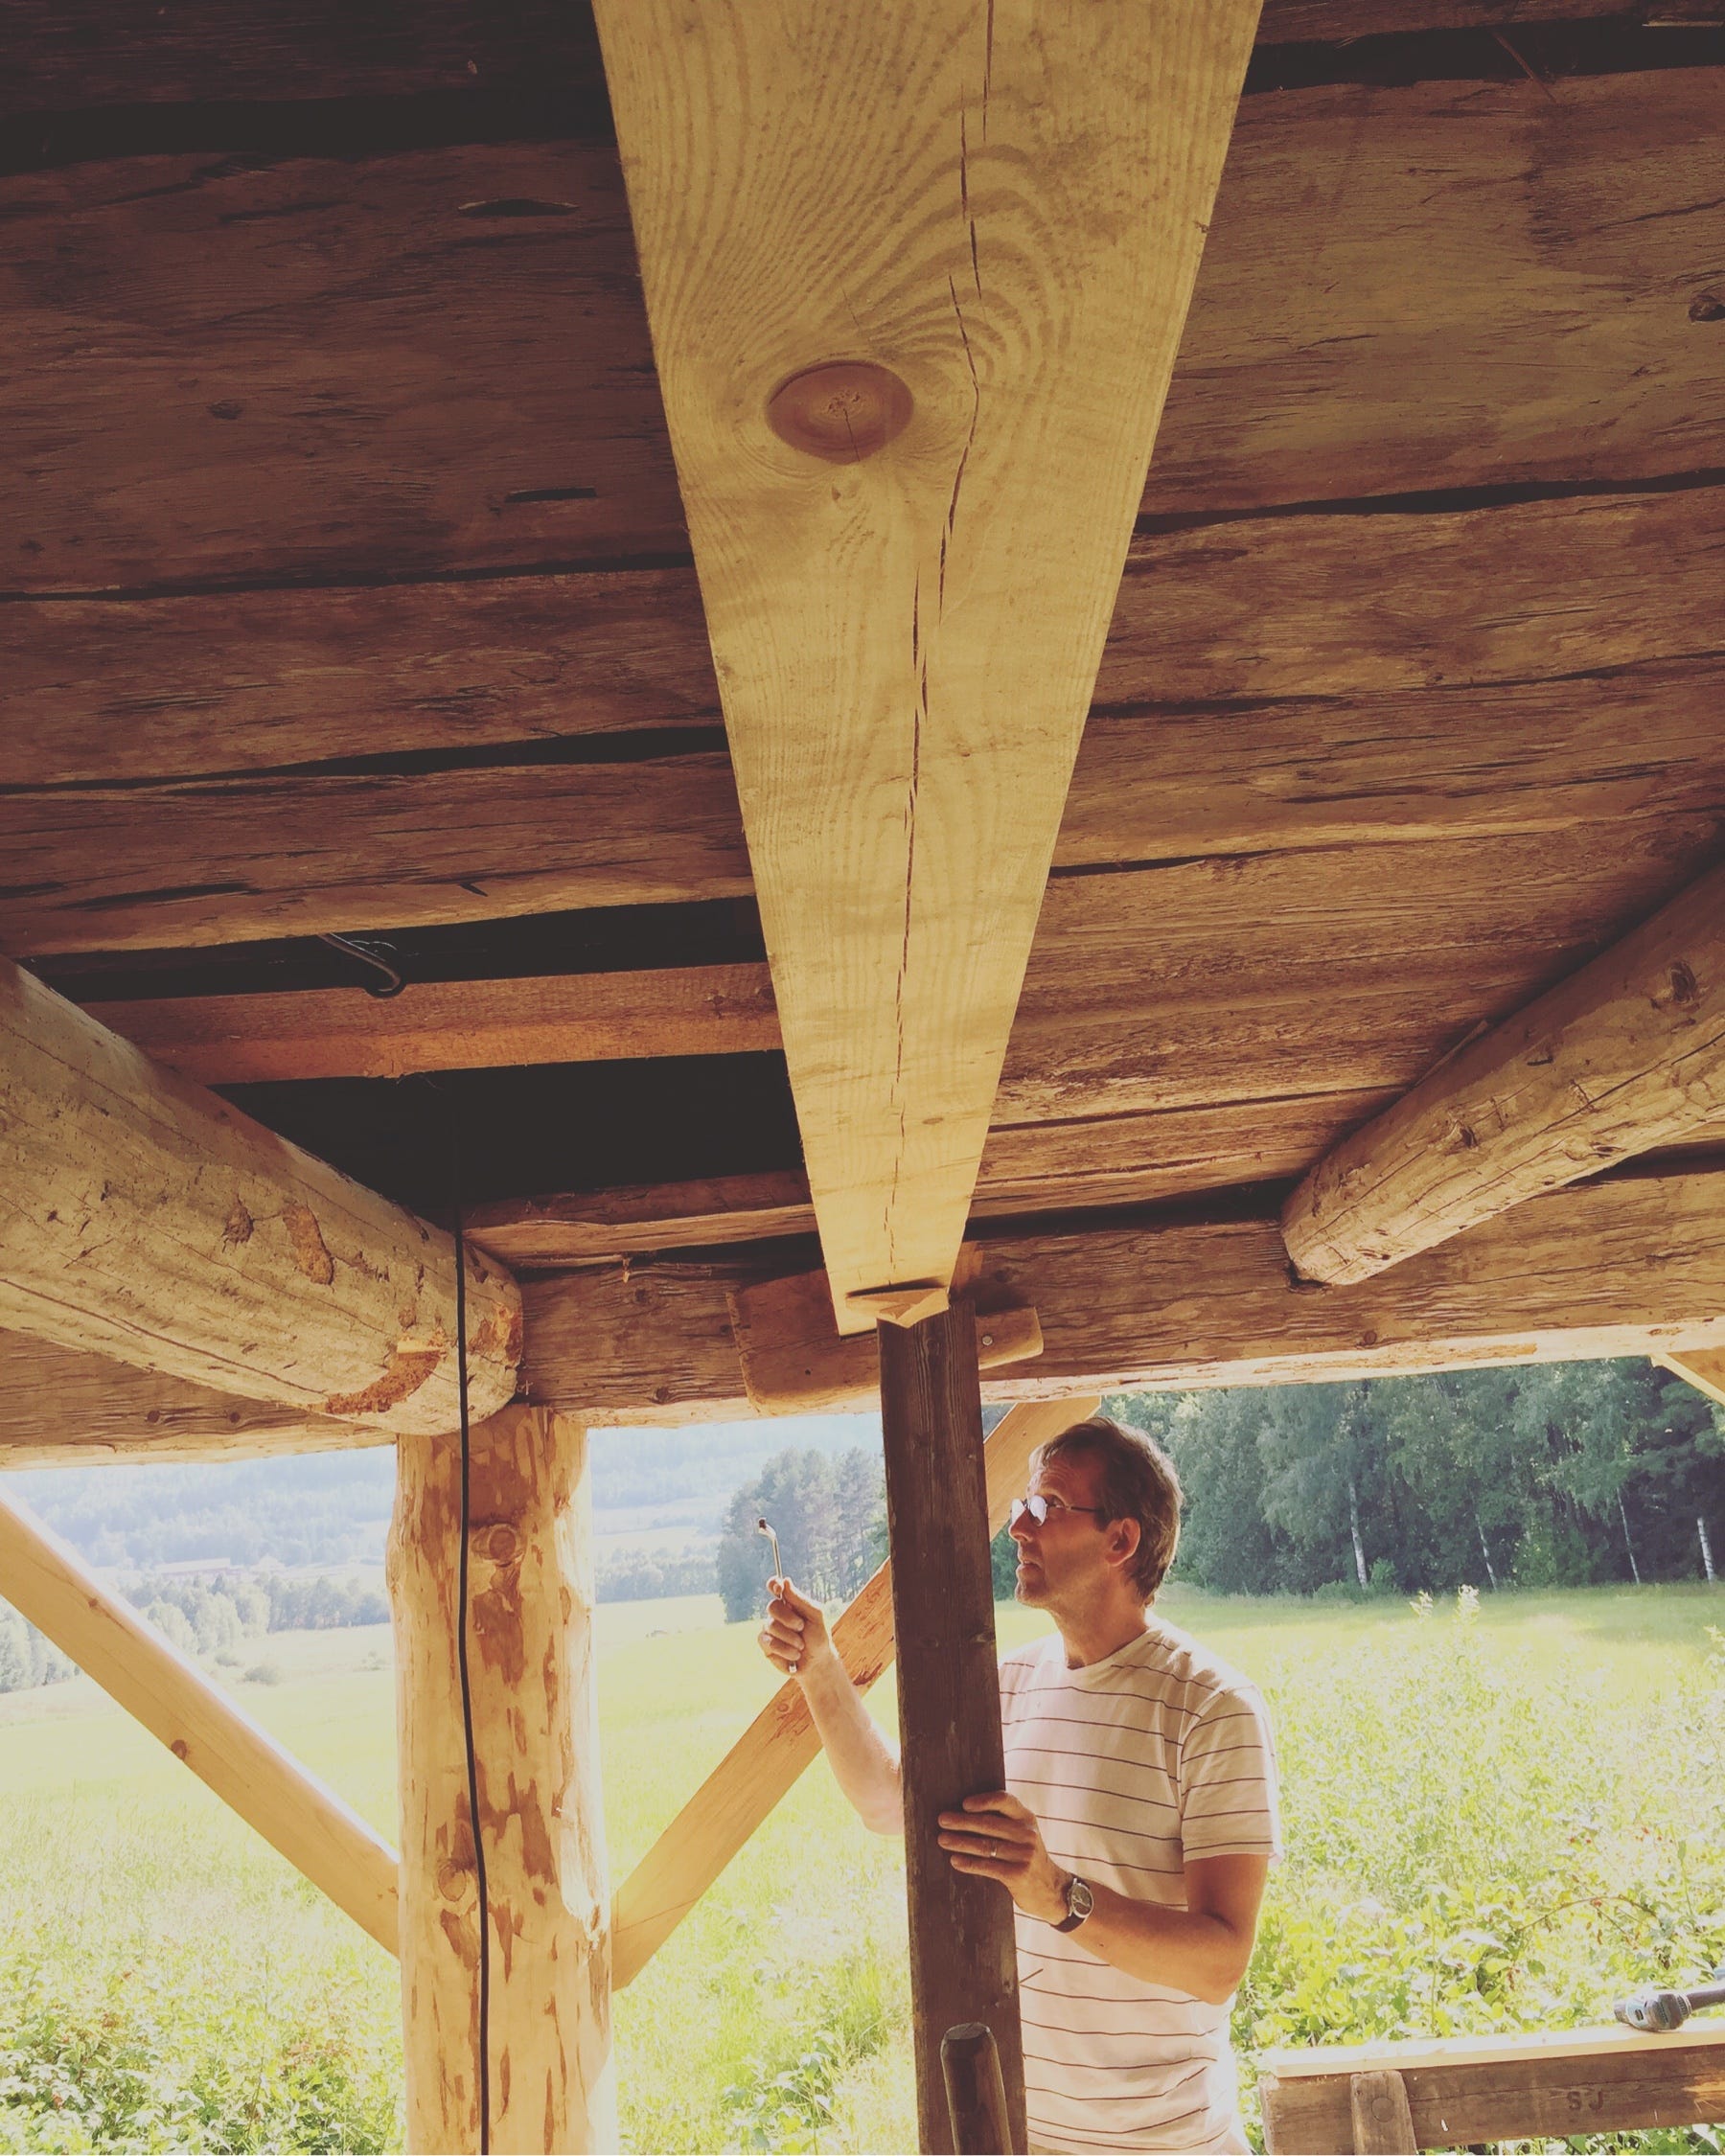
(1554, 1475)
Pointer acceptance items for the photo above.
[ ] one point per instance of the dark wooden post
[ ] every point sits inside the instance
(964, 1962)
(970, 2060)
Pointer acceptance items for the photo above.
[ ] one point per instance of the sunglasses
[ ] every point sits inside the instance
(1042, 1508)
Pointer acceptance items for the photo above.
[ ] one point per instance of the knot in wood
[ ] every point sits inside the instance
(499, 1542)
(455, 1879)
(842, 412)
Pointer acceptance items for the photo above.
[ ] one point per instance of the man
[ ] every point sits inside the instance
(1139, 1816)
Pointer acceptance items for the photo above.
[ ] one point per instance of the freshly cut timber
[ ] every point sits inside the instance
(50, 1586)
(1625, 1055)
(914, 329)
(146, 1220)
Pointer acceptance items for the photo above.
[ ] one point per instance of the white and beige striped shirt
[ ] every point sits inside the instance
(1132, 1765)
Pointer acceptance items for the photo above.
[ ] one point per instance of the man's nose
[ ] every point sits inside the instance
(1023, 1528)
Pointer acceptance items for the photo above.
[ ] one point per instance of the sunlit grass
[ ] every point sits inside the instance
(1495, 1822)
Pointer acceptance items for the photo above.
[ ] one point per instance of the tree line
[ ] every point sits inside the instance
(204, 1614)
(830, 1515)
(1554, 1475)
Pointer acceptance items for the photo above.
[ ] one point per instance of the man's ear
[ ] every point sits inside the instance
(1124, 1539)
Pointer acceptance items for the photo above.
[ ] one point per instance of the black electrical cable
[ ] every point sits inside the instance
(461, 1652)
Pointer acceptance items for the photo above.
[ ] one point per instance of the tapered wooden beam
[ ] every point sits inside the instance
(48, 1583)
(543, 1924)
(963, 1950)
(144, 1218)
(454, 1025)
(914, 329)
(763, 1766)
(1627, 1055)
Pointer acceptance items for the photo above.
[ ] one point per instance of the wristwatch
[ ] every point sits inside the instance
(1080, 1901)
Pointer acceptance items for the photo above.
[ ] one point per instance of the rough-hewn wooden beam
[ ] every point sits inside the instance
(1625, 1056)
(62, 1408)
(534, 1725)
(1630, 1266)
(763, 1763)
(47, 1582)
(144, 1218)
(941, 259)
(454, 1025)
(1250, 701)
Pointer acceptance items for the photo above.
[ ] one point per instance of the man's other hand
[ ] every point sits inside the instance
(794, 1635)
(996, 1836)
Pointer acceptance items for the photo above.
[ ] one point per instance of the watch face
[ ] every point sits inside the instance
(1080, 1901)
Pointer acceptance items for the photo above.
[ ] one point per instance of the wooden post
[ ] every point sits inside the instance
(1383, 2125)
(963, 1959)
(535, 1759)
(50, 1585)
(970, 2063)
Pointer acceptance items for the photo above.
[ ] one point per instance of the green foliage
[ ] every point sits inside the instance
(824, 1511)
(1560, 1474)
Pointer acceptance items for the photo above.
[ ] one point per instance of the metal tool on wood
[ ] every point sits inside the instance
(1660, 2012)
(763, 1528)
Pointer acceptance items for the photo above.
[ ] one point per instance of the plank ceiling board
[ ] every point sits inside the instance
(908, 571)
(342, 306)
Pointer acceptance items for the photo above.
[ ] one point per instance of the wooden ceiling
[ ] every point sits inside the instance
(348, 590)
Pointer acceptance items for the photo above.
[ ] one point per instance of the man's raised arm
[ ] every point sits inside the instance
(795, 1641)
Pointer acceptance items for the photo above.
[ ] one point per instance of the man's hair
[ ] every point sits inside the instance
(1137, 1483)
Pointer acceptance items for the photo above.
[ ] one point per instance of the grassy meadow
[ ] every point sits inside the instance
(1496, 1819)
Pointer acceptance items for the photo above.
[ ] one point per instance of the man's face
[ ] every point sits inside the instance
(1063, 1558)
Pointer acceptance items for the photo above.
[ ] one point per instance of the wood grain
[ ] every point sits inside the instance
(1583, 2081)
(1633, 1265)
(762, 1767)
(963, 1949)
(540, 1826)
(62, 1408)
(1625, 1055)
(1009, 224)
(211, 684)
(454, 1025)
(347, 306)
(1528, 668)
(1383, 2126)
(48, 1584)
(146, 1220)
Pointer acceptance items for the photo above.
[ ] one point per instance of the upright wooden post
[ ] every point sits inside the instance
(535, 1759)
(963, 1959)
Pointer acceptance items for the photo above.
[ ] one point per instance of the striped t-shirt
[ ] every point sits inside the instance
(1132, 1765)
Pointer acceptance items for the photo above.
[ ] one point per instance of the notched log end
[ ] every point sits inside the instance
(402, 1376)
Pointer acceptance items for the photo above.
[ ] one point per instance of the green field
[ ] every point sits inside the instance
(1494, 1821)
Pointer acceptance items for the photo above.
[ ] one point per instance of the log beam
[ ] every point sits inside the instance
(50, 1586)
(762, 1765)
(963, 1950)
(146, 1220)
(1625, 1056)
(543, 1934)
(1634, 1265)
(914, 336)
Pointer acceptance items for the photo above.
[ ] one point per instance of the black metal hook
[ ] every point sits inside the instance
(380, 957)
